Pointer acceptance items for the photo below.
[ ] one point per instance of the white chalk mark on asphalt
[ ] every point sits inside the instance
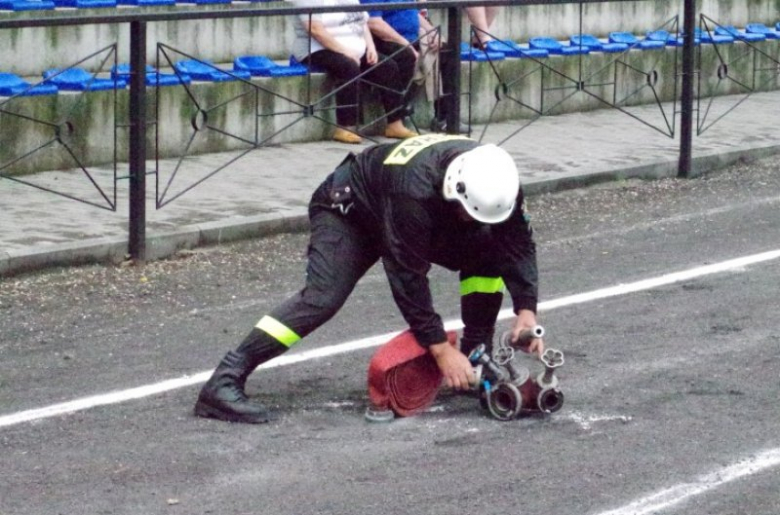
(374, 341)
(671, 496)
(586, 421)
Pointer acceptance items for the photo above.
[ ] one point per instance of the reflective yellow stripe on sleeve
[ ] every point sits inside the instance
(481, 285)
(278, 330)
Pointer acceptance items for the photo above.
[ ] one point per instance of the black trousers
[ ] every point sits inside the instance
(404, 59)
(341, 250)
(391, 74)
(406, 67)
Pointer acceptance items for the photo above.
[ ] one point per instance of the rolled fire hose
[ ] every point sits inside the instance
(403, 378)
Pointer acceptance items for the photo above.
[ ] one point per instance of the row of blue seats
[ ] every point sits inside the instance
(45, 5)
(77, 79)
(540, 47)
(244, 67)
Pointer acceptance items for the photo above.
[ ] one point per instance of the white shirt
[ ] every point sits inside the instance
(347, 28)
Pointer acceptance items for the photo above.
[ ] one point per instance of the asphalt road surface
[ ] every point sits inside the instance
(671, 381)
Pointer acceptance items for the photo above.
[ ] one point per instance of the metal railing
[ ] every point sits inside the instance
(138, 124)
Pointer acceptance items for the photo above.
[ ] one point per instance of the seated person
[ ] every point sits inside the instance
(393, 33)
(481, 17)
(341, 44)
(397, 29)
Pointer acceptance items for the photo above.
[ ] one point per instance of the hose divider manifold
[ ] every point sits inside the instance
(507, 388)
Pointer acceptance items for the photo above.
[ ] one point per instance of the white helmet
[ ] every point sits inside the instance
(485, 181)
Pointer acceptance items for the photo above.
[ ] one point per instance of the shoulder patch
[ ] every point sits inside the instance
(410, 147)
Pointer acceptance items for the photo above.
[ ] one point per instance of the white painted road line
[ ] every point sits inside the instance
(374, 341)
(669, 497)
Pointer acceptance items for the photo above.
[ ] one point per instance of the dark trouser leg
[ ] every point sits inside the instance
(481, 290)
(392, 88)
(474, 254)
(442, 104)
(406, 63)
(343, 70)
(339, 255)
(480, 302)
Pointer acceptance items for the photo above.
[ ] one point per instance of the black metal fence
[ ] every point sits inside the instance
(139, 125)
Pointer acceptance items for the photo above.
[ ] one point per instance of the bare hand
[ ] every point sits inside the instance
(434, 41)
(456, 368)
(371, 56)
(526, 320)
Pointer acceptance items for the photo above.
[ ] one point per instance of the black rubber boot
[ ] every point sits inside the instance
(223, 397)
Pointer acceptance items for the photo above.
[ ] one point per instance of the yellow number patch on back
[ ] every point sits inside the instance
(410, 147)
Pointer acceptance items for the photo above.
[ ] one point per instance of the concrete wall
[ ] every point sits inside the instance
(30, 51)
(234, 116)
(638, 17)
(251, 114)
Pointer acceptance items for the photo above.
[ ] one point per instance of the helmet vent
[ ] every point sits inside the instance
(460, 187)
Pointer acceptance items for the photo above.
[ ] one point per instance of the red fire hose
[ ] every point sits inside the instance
(403, 376)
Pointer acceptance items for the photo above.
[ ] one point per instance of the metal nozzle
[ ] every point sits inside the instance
(479, 357)
(524, 339)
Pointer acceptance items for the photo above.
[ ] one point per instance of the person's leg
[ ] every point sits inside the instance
(343, 70)
(441, 103)
(491, 11)
(404, 59)
(481, 18)
(339, 255)
(482, 293)
(473, 254)
(391, 93)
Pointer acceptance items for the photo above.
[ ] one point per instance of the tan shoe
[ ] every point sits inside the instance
(346, 136)
(399, 133)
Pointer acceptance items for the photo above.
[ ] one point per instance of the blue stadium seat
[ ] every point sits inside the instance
(511, 49)
(554, 46)
(777, 25)
(203, 2)
(730, 30)
(662, 36)
(205, 70)
(469, 53)
(85, 4)
(292, 69)
(262, 66)
(669, 39)
(632, 41)
(713, 38)
(760, 28)
(77, 79)
(146, 2)
(259, 65)
(593, 43)
(27, 5)
(11, 84)
(153, 77)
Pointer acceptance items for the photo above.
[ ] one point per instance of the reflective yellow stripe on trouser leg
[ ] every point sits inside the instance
(481, 285)
(278, 331)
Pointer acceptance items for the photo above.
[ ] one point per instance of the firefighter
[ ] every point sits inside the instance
(431, 199)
